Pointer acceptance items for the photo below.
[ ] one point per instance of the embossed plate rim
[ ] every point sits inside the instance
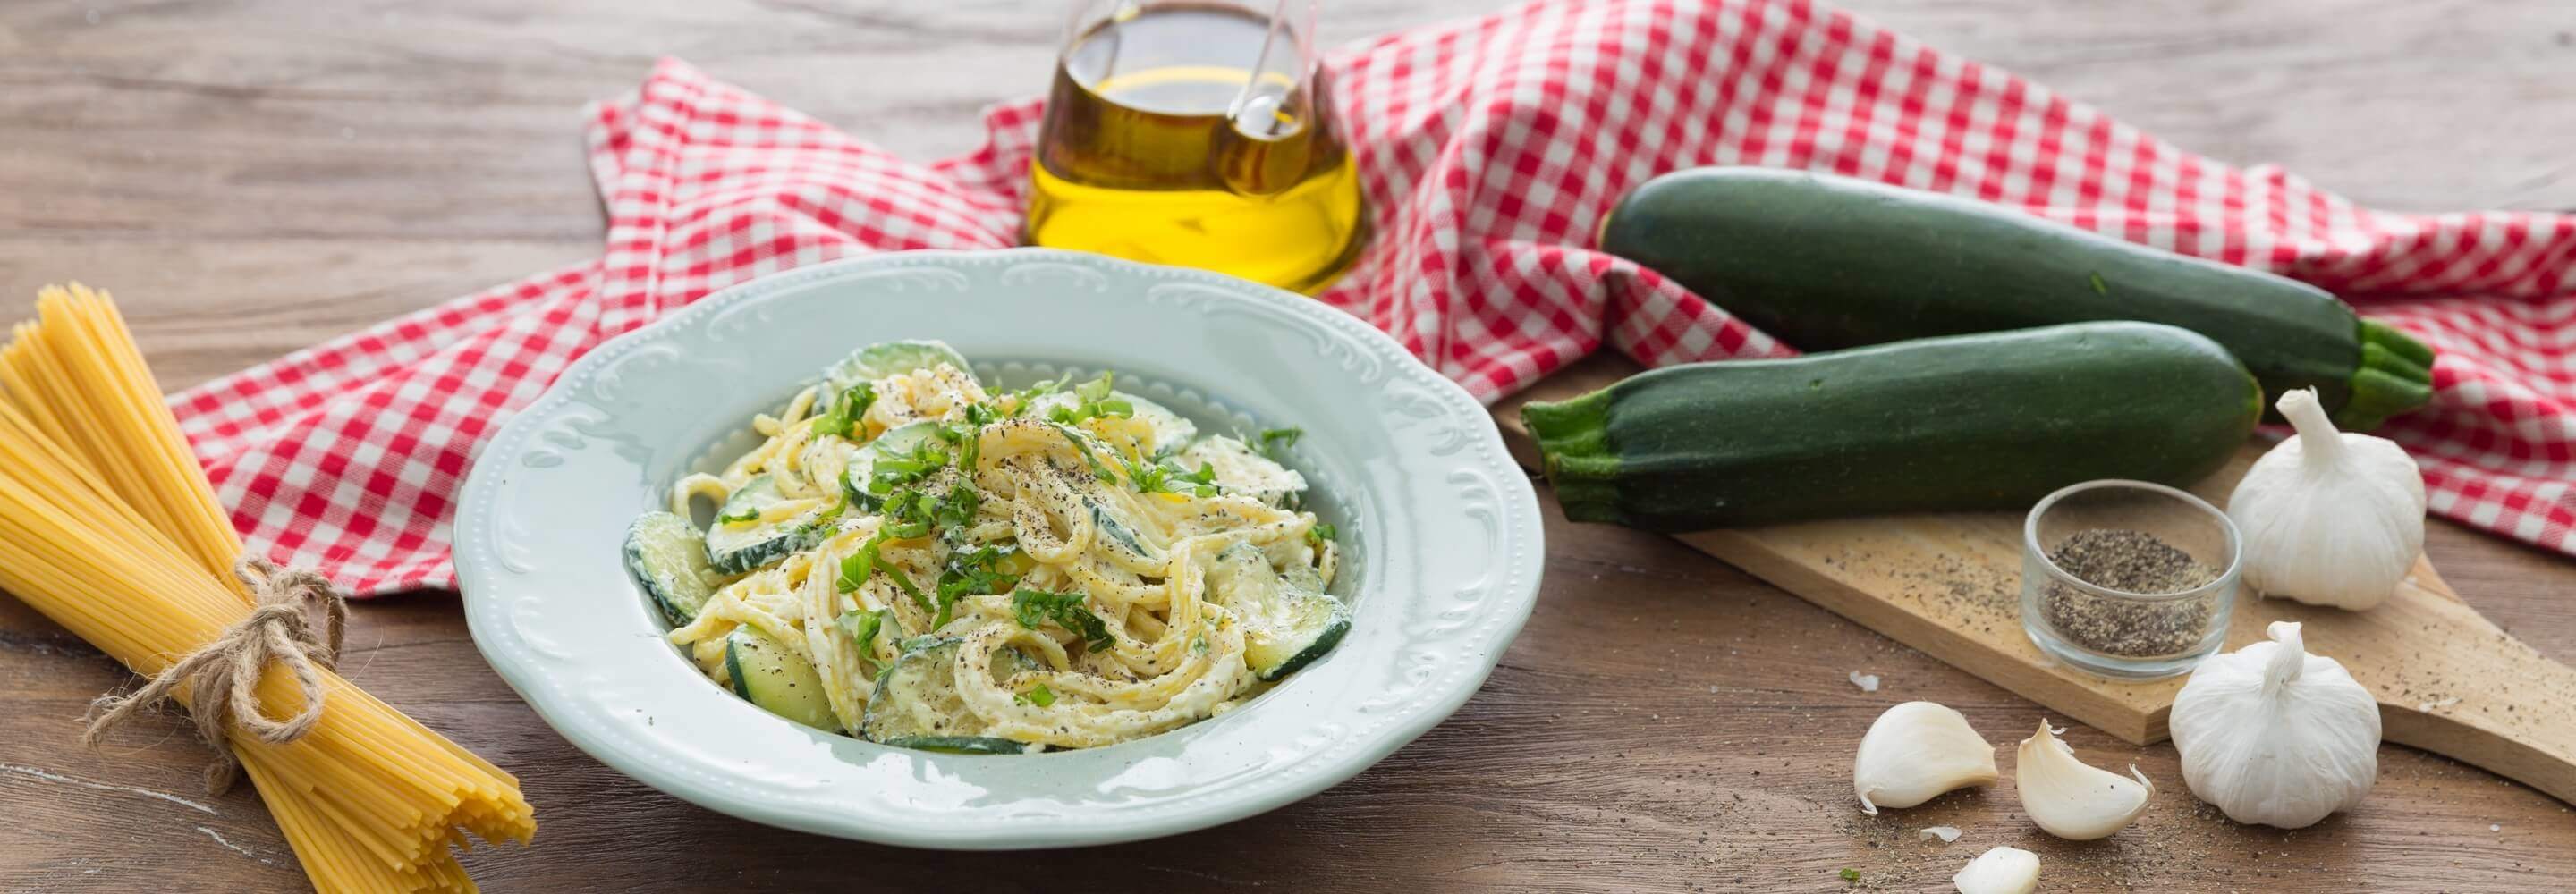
(1436, 610)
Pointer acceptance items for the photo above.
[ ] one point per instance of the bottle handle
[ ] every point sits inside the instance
(1262, 154)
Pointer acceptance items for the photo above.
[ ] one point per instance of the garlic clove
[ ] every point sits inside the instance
(2326, 517)
(1914, 752)
(2071, 799)
(2001, 870)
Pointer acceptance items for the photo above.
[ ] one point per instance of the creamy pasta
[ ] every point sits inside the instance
(918, 560)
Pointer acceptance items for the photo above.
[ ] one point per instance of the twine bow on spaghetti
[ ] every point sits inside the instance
(222, 677)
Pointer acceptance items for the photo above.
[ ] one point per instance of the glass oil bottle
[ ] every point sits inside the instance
(1196, 134)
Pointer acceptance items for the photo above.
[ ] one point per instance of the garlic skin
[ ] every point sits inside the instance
(2071, 799)
(1915, 751)
(2329, 518)
(2002, 870)
(2275, 736)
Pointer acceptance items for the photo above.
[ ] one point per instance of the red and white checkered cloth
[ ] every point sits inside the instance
(1489, 150)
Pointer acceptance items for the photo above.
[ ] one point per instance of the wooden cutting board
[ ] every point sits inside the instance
(2448, 681)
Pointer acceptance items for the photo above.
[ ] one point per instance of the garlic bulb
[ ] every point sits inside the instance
(2273, 735)
(2329, 518)
(2071, 799)
(1914, 752)
(2002, 870)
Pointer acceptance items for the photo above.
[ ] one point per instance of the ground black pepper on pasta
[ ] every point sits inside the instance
(2132, 562)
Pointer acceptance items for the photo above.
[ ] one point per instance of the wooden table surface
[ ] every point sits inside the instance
(253, 176)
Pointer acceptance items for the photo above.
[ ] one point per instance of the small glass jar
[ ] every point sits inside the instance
(2135, 534)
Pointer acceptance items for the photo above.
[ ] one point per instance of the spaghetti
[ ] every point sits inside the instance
(918, 561)
(109, 527)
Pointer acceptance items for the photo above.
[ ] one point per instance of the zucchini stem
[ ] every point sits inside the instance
(2395, 377)
(2397, 342)
(1577, 426)
(1574, 451)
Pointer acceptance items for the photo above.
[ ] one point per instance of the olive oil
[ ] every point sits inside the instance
(1194, 135)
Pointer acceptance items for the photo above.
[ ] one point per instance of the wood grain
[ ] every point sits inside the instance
(252, 176)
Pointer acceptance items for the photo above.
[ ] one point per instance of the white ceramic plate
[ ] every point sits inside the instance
(1442, 528)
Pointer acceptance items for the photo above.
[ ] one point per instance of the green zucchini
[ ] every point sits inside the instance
(1828, 262)
(1288, 619)
(1119, 536)
(1170, 429)
(735, 547)
(1989, 421)
(669, 560)
(781, 682)
(916, 704)
(890, 358)
(1243, 470)
(900, 440)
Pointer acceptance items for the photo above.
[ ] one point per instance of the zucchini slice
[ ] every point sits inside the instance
(1171, 432)
(779, 681)
(669, 559)
(1121, 537)
(916, 703)
(1241, 470)
(1288, 619)
(862, 465)
(737, 547)
(892, 358)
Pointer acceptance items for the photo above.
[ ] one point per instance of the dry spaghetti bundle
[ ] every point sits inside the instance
(109, 527)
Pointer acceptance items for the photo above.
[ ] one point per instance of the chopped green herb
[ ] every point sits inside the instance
(1204, 479)
(958, 508)
(893, 470)
(843, 415)
(1850, 874)
(863, 628)
(1025, 398)
(1146, 476)
(1098, 388)
(1274, 440)
(1320, 533)
(830, 514)
(968, 438)
(858, 565)
(910, 530)
(831, 424)
(908, 515)
(863, 562)
(1038, 695)
(860, 494)
(1093, 402)
(1071, 611)
(736, 518)
(1164, 474)
(969, 573)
